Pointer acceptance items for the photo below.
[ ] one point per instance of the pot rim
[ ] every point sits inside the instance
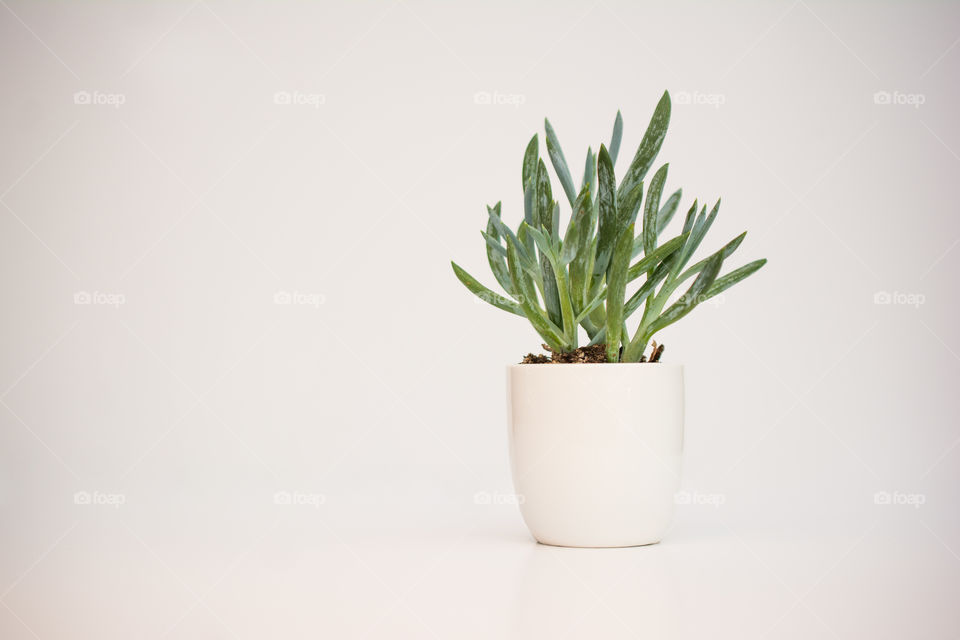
(593, 365)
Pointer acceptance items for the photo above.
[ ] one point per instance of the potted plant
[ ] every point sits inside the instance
(596, 431)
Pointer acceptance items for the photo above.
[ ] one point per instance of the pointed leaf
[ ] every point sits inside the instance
(651, 209)
(484, 293)
(691, 218)
(578, 232)
(530, 157)
(700, 228)
(593, 304)
(543, 199)
(725, 282)
(559, 162)
(668, 210)
(527, 301)
(610, 226)
(688, 301)
(590, 172)
(630, 205)
(543, 242)
(658, 255)
(726, 251)
(649, 146)
(615, 137)
(648, 287)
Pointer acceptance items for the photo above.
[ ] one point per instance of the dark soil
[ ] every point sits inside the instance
(596, 354)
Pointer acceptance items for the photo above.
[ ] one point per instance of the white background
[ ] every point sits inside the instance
(185, 191)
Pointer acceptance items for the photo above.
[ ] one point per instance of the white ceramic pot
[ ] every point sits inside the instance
(595, 450)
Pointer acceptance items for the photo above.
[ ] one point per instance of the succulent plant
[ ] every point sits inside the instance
(580, 279)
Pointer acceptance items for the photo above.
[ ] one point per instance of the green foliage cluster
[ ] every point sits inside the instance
(580, 278)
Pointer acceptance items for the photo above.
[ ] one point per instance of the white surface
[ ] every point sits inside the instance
(595, 451)
(200, 198)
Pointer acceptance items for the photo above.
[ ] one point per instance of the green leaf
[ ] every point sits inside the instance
(543, 199)
(484, 293)
(668, 210)
(726, 251)
(559, 162)
(654, 258)
(616, 290)
(649, 146)
(527, 259)
(593, 304)
(688, 301)
(578, 231)
(700, 228)
(550, 333)
(637, 299)
(548, 260)
(581, 268)
(610, 226)
(492, 243)
(503, 231)
(590, 172)
(543, 242)
(647, 288)
(725, 282)
(691, 218)
(651, 210)
(615, 137)
(630, 206)
(528, 193)
(530, 157)
(496, 253)
(551, 292)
